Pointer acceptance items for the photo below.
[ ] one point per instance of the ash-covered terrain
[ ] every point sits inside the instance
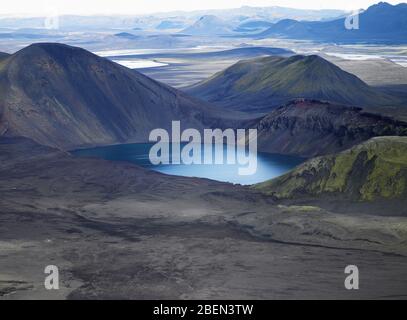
(118, 231)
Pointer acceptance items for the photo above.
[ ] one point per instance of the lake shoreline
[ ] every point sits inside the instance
(269, 165)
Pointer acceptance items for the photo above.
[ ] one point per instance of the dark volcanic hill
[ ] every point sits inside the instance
(66, 97)
(373, 170)
(311, 128)
(380, 23)
(264, 83)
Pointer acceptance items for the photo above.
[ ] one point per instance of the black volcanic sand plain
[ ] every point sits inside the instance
(119, 231)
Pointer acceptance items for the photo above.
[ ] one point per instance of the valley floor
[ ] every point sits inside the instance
(121, 232)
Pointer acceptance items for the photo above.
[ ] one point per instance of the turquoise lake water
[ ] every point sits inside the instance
(268, 165)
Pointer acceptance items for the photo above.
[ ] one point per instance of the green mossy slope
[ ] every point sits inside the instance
(376, 169)
(271, 81)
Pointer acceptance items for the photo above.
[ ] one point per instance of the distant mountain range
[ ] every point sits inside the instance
(382, 22)
(250, 20)
(171, 24)
(170, 20)
(311, 128)
(253, 26)
(263, 83)
(373, 170)
(209, 25)
(126, 35)
(66, 97)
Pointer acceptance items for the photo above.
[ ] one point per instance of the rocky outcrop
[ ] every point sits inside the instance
(311, 128)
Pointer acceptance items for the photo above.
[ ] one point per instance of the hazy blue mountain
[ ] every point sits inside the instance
(271, 13)
(126, 35)
(169, 20)
(264, 83)
(170, 24)
(253, 26)
(290, 28)
(382, 22)
(209, 25)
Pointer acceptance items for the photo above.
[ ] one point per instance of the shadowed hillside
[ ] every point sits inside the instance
(264, 83)
(66, 97)
(310, 128)
(3, 55)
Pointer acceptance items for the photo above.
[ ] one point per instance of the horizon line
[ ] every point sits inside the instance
(29, 15)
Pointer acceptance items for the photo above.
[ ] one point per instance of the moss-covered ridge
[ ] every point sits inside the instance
(376, 169)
